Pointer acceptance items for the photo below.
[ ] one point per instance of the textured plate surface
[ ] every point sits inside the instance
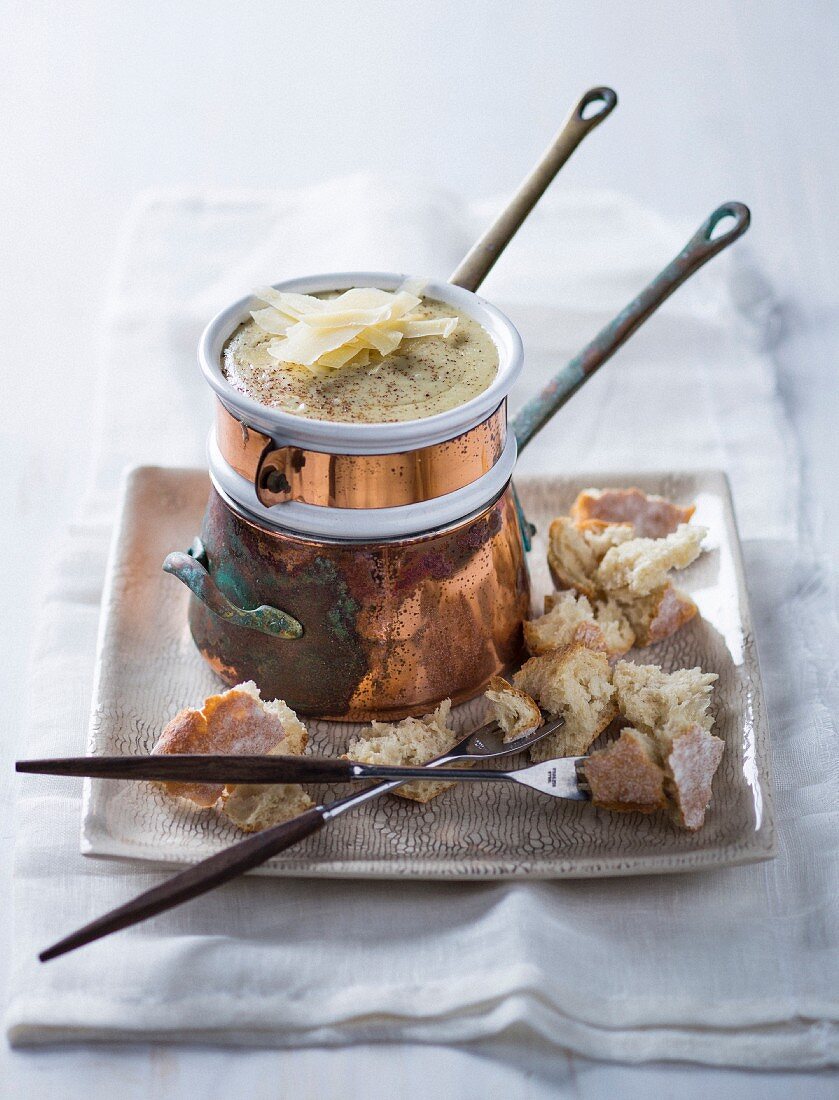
(148, 669)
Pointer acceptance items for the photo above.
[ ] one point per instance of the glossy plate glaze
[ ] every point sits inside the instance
(148, 669)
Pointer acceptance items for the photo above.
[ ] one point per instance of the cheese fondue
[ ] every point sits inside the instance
(424, 375)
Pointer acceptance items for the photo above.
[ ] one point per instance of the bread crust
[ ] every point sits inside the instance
(691, 758)
(514, 710)
(651, 516)
(657, 616)
(570, 560)
(672, 772)
(234, 722)
(626, 776)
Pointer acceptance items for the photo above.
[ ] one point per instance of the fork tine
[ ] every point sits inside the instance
(488, 748)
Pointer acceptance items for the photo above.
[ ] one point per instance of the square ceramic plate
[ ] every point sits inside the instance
(148, 669)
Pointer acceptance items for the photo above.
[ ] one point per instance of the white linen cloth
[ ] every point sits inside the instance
(736, 966)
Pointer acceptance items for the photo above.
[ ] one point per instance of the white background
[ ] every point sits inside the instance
(723, 99)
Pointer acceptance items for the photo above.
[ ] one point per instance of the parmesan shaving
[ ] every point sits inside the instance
(326, 334)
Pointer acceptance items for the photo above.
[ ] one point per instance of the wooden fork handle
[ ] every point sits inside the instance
(195, 880)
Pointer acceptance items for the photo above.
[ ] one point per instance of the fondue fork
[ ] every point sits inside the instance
(559, 778)
(485, 743)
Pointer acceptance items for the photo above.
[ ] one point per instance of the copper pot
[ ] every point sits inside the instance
(387, 628)
(360, 570)
(370, 570)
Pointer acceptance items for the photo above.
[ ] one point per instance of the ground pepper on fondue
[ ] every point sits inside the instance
(424, 375)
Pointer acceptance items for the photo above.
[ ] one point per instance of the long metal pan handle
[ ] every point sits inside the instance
(476, 264)
(702, 246)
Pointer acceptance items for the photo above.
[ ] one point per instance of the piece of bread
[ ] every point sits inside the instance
(253, 806)
(574, 554)
(626, 578)
(650, 516)
(570, 559)
(575, 682)
(691, 756)
(515, 712)
(616, 549)
(672, 770)
(671, 754)
(601, 537)
(655, 617)
(640, 566)
(570, 617)
(652, 699)
(237, 721)
(626, 775)
(413, 741)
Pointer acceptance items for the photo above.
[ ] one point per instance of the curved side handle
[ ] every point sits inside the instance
(196, 880)
(477, 263)
(702, 246)
(266, 619)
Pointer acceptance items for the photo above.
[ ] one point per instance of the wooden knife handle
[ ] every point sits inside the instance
(199, 768)
(196, 880)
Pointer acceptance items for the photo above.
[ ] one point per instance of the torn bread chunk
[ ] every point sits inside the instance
(626, 775)
(655, 617)
(515, 712)
(672, 770)
(570, 558)
(252, 806)
(576, 683)
(640, 566)
(691, 756)
(650, 516)
(236, 722)
(574, 554)
(413, 742)
(652, 699)
(601, 537)
(625, 579)
(570, 617)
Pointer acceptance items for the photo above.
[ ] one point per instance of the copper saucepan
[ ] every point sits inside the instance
(368, 570)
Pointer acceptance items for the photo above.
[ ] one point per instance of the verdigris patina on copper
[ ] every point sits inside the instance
(388, 627)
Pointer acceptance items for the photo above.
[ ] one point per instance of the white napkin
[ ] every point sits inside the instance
(736, 966)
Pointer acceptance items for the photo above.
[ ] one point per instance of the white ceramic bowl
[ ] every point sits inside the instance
(339, 438)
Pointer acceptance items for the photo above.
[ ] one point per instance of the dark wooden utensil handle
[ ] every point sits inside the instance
(195, 880)
(246, 854)
(197, 768)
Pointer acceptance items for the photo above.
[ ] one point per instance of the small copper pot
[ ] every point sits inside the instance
(360, 570)
(370, 570)
(386, 628)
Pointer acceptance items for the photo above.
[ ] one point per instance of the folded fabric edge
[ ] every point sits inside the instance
(804, 1044)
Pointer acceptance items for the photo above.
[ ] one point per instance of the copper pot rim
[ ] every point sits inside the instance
(254, 523)
(363, 438)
